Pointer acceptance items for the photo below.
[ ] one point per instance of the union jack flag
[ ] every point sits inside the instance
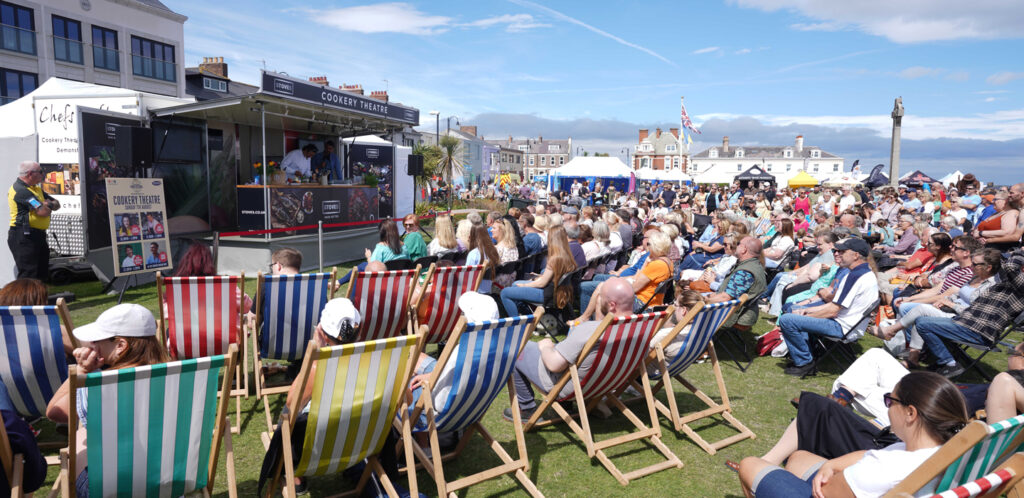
(686, 119)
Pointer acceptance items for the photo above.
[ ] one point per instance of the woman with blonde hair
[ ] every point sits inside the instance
(503, 232)
(444, 237)
(540, 222)
(598, 246)
(614, 234)
(656, 269)
(462, 232)
(559, 262)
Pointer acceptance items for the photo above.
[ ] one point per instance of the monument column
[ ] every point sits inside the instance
(894, 151)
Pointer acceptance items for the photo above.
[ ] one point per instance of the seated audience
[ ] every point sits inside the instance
(444, 238)
(196, 262)
(559, 262)
(502, 232)
(656, 269)
(783, 242)
(413, 246)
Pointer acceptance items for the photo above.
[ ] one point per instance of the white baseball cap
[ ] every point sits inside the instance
(478, 307)
(124, 320)
(336, 312)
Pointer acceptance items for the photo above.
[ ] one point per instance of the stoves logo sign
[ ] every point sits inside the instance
(372, 153)
(111, 130)
(331, 208)
(284, 86)
(409, 115)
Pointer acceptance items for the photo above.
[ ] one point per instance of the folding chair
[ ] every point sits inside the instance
(703, 322)
(665, 289)
(350, 412)
(425, 261)
(440, 295)
(992, 485)
(622, 344)
(382, 299)
(155, 430)
(960, 349)
(557, 321)
(13, 464)
(203, 316)
(481, 357)
(286, 316)
(32, 360)
(399, 264)
(831, 345)
(973, 452)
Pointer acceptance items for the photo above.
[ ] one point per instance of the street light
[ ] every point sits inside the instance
(437, 127)
(449, 119)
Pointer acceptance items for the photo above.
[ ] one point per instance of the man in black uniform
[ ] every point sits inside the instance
(30, 217)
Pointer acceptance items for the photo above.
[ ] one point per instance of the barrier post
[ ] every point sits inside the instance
(216, 248)
(320, 243)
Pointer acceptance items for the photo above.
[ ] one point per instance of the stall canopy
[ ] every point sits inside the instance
(846, 180)
(754, 175)
(916, 179)
(611, 171)
(803, 179)
(953, 178)
(876, 178)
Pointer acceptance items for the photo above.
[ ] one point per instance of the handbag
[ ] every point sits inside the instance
(767, 342)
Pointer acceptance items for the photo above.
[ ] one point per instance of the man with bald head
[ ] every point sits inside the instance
(542, 363)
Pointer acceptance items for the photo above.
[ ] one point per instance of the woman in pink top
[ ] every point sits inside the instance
(802, 202)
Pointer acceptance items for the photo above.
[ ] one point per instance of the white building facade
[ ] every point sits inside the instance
(721, 163)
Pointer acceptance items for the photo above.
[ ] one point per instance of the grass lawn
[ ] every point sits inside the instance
(558, 461)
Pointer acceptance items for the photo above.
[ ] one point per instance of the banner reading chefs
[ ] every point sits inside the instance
(137, 209)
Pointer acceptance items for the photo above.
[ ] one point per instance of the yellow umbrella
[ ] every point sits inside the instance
(802, 179)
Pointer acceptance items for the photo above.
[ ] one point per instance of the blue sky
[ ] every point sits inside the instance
(760, 71)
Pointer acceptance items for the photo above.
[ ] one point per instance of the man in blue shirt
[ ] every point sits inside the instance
(587, 288)
(327, 162)
(912, 202)
(983, 213)
(970, 201)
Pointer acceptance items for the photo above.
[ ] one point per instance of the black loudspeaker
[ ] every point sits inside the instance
(415, 165)
(133, 147)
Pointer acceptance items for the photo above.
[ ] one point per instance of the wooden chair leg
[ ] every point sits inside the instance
(17, 476)
(229, 463)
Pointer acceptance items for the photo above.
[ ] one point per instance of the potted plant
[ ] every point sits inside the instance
(275, 174)
(370, 179)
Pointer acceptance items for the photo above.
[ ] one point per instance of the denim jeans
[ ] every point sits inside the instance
(797, 329)
(5, 399)
(782, 483)
(933, 328)
(348, 276)
(695, 261)
(790, 307)
(512, 295)
(587, 289)
(771, 286)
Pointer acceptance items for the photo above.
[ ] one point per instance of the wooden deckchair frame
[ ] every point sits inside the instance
(1014, 468)
(410, 310)
(240, 389)
(594, 448)
(422, 288)
(434, 463)
(13, 463)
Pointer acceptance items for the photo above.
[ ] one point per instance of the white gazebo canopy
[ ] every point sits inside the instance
(951, 178)
(600, 167)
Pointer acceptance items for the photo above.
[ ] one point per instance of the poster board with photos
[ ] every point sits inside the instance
(138, 214)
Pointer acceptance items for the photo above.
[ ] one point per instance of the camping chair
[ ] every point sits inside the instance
(622, 344)
(959, 349)
(993, 485)
(481, 357)
(557, 321)
(425, 261)
(32, 360)
(665, 289)
(203, 316)
(830, 345)
(286, 317)
(350, 411)
(155, 430)
(440, 295)
(13, 464)
(785, 261)
(399, 264)
(704, 322)
(733, 334)
(382, 299)
(975, 451)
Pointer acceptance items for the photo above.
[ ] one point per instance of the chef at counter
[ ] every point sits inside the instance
(297, 162)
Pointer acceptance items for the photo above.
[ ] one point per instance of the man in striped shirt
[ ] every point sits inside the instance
(957, 277)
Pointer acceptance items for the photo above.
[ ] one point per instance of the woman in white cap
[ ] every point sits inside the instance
(121, 337)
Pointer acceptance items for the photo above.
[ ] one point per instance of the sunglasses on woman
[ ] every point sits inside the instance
(889, 399)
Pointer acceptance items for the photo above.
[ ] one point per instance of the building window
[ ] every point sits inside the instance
(67, 40)
(153, 59)
(17, 28)
(543, 160)
(524, 148)
(789, 167)
(645, 162)
(554, 148)
(788, 153)
(675, 162)
(713, 153)
(561, 160)
(835, 167)
(531, 160)
(215, 85)
(739, 152)
(815, 167)
(670, 148)
(16, 84)
(815, 153)
(739, 167)
(104, 49)
(769, 166)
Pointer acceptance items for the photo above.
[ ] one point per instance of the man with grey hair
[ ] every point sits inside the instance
(30, 217)
(572, 231)
(475, 219)
(949, 225)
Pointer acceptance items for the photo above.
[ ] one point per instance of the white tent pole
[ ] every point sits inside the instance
(266, 179)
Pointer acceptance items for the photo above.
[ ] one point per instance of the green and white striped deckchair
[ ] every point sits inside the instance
(357, 390)
(975, 451)
(154, 430)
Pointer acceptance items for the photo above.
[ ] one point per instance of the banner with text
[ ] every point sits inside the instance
(137, 213)
(57, 124)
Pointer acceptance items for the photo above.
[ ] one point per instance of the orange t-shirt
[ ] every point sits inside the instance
(658, 271)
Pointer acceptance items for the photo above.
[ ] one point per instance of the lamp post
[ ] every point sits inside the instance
(437, 127)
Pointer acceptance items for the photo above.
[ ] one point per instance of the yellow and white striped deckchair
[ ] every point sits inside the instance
(153, 431)
(357, 390)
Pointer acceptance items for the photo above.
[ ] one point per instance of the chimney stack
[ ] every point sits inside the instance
(471, 130)
(381, 95)
(657, 133)
(319, 80)
(799, 144)
(725, 145)
(215, 66)
(643, 134)
(357, 88)
(674, 132)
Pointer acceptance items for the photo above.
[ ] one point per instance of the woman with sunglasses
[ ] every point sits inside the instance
(925, 410)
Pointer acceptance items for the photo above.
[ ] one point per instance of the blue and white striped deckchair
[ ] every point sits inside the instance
(155, 430)
(357, 390)
(975, 451)
(32, 360)
(480, 363)
(704, 322)
(286, 318)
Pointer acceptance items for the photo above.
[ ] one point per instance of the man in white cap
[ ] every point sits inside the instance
(339, 322)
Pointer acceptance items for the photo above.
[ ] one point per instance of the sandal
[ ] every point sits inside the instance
(733, 466)
(876, 331)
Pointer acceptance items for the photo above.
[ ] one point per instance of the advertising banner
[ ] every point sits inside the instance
(57, 124)
(305, 205)
(378, 160)
(137, 213)
(286, 86)
(98, 163)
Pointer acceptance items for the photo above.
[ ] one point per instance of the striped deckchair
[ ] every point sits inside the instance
(439, 298)
(203, 316)
(622, 344)
(975, 451)
(357, 390)
(382, 299)
(703, 321)
(481, 357)
(13, 464)
(155, 430)
(33, 364)
(287, 313)
(992, 485)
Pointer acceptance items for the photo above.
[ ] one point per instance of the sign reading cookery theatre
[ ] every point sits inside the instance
(286, 86)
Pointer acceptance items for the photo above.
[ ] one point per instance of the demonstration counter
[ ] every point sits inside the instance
(303, 204)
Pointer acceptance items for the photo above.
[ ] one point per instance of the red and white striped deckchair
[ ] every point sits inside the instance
(203, 316)
(996, 484)
(621, 344)
(438, 302)
(382, 299)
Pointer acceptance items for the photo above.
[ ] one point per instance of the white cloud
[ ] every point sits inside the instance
(1004, 77)
(383, 18)
(706, 50)
(742, 51)
(915, 72)
(990, 99)
(991, 92)
(572, 20)
(908, 21)
(958, 76)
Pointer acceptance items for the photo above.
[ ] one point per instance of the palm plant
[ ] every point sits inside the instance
(449, 163)
(431, 157)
